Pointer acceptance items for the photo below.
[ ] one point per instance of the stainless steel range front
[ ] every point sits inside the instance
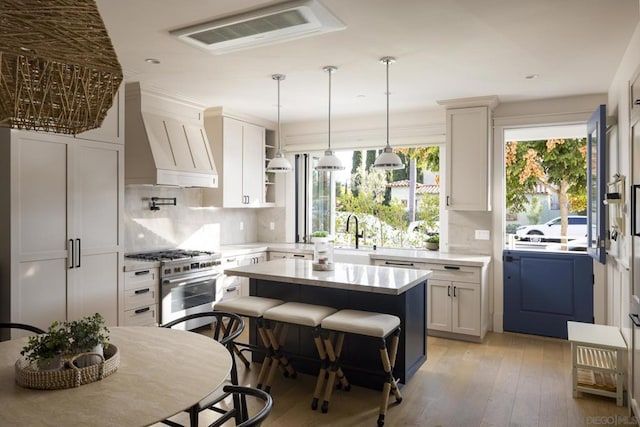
(187, 283)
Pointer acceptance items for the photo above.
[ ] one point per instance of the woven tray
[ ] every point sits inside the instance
(28, 375)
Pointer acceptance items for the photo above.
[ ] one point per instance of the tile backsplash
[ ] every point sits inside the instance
(191, 225)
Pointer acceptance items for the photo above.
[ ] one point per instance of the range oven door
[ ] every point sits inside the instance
(188, 294)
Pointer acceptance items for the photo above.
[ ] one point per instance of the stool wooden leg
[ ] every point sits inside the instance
(324, 364)
(333, 353)
(266, 363)
(390, 384)
(277, 358)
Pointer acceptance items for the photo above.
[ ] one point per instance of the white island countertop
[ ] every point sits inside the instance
(355, 277)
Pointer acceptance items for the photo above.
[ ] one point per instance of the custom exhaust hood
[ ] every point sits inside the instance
(166, 143)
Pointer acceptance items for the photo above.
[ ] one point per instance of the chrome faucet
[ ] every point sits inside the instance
(358, 235)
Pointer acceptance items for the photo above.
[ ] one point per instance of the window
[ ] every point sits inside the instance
(379, 199)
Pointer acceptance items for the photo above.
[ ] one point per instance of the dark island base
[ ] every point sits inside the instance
(361, 357)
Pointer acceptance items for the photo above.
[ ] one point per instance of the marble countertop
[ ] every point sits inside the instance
(435, 257)
(356, 277)
(411, 255)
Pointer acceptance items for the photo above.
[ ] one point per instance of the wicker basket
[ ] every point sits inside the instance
(28, 375)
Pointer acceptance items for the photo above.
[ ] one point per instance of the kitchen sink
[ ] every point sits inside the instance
(349, 254)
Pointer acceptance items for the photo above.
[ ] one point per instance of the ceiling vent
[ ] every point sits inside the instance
(274, 24)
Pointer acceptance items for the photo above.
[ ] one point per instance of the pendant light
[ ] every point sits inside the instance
(388, 159)
(329, 162)
(279, 163)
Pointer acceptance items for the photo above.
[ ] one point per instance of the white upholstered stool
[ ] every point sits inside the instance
(254, 307)
(377, 325)
(277, 320)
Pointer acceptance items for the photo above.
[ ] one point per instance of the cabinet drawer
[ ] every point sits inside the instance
(229, 292)
(140, 297)
(142, 316)
(292, 255)
(458, 273)
(141, 278)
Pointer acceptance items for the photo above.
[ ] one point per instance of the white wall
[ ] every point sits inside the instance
(190, 225)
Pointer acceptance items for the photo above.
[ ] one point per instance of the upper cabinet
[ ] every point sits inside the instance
(112, 128)
(240, 148)
(468, 154)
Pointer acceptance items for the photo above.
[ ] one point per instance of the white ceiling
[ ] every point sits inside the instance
(445, 49)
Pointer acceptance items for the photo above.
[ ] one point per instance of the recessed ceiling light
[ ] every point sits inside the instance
(531, 76)
(152, 61)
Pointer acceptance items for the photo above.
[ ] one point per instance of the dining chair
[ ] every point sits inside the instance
(22, 326)
(249, 421)
(226, 327)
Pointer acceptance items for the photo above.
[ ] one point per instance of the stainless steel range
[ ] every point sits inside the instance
(187, 282)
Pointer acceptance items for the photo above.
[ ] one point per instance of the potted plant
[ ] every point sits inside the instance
(320, 236)
(88, 335)
(433, 242)
(46, 349)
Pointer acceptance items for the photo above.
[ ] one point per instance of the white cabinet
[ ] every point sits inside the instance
(467, 144)
(292, 255)
(63, 207)
(453, 307)
(457, 298)
(239, 149)
(112, 128)
(61, 202)
(140, 297)
(233, 286)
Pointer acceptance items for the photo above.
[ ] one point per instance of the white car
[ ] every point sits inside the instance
(550, 230)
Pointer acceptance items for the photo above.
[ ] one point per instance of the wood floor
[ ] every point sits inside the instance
(509, 380)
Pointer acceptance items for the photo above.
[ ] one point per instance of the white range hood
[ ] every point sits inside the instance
(165, 142)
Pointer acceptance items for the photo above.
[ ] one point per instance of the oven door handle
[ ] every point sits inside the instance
(185, 280)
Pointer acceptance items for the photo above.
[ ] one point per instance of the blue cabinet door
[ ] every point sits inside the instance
(544, 290)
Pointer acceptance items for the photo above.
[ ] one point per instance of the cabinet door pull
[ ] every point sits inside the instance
(635, 319)
(298, 255)
(454, 292)
(72, 258)
(451, 267)
(142, 273)
(448, 201)
(142, 291)
(231, 289)
(399, 264)
(231, 260)
(637, 102)
(449, 290)
(142, 310)
(79, 252)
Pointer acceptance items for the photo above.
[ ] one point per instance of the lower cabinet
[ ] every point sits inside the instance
(293, 255)
(233, 286)
(457, 298)
(140, 297)
(453, 307)
(457, 301)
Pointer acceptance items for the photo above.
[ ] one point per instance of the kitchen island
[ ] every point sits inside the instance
(397, 291)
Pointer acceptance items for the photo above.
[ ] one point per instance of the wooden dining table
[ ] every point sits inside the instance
(162, 372)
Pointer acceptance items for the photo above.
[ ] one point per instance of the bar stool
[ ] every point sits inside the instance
(254, 307)
(377, 325)
(293, 313)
